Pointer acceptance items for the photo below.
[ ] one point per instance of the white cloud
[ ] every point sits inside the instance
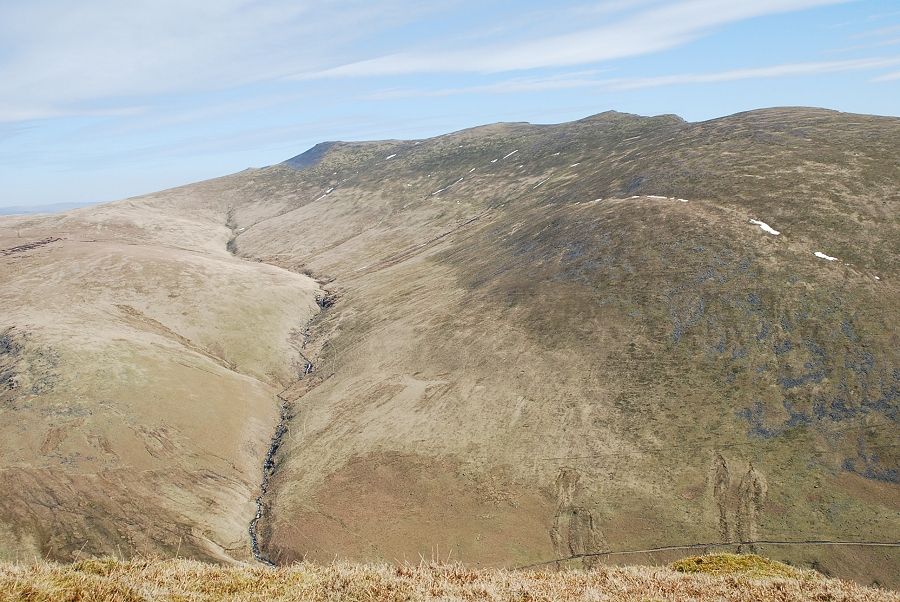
(581, 79)
(652, 30)
(60, 58)
(584, 79)
(772, 71)
(107, 57)
(888, 77)
(878, 33)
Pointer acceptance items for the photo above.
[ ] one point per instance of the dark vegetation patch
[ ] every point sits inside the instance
(29, 246)
(311, 157)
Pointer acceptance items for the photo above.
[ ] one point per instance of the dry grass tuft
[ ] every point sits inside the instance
(719, 578)
(737, 564)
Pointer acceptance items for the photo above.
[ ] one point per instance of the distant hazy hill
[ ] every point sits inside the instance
(52, 208)
(522, 343)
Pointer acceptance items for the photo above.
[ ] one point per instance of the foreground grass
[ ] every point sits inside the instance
(720, 578)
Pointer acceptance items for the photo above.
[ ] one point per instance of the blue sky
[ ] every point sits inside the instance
(104, 99)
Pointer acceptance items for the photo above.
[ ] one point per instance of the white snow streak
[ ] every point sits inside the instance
(436, 192)
(765, 227)
(389, 157)
(325, 194)
(511, 154)
(822, 255)
(575, 165)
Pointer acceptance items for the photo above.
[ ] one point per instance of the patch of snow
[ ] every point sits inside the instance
(326, 193)
(511, 154)
(555, 154)
(822, 255)
(765, 227)
(493, 160)
(632, 138)
(575, 165)
(471, 170)
(416, 143)
(389, 157)
(446, 187)
(536, 186)
(683, 200)
(877, 278)
(656, 196)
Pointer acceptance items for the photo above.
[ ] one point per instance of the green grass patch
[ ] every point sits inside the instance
(750, 565)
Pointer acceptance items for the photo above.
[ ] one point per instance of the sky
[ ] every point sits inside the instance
(105, 99)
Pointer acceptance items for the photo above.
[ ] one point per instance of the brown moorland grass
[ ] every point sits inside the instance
(109, 580)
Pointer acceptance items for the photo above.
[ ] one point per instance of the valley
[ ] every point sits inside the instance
(509, 345)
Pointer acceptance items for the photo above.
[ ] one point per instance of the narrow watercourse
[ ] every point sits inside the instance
(268, 469)
(325, 301)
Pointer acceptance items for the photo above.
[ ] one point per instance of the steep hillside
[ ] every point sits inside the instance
(538, 342)
(139, 363)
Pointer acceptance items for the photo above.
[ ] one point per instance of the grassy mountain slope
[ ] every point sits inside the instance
(553, 340)
(718, 578)
(139, 362)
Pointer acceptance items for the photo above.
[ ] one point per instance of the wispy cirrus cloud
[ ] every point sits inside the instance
(772, 71)
(563, 81)
(653, 29)
(887, 77)
(59, 58)
(586, 79)
(104, 57)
